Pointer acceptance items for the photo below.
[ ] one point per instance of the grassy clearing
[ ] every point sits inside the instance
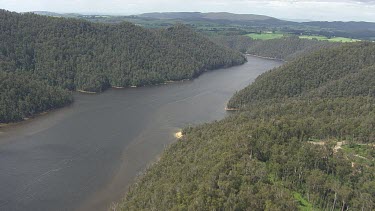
(266, 36)
(304, 204)
(270, 36)
(361, 150)
(333, 39)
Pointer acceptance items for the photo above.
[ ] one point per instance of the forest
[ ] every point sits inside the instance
(302, 139)
(286, 48)
(334, 72)
(50, 57)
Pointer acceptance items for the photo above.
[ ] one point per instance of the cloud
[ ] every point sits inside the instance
(357, 10)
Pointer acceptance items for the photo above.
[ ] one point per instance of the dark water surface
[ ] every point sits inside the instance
(84, 156)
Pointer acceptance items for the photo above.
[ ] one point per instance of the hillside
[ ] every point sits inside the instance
(74, 54)
(315, 73)
(230, 22)
(286, 48)
(210, 16)
(307, 148)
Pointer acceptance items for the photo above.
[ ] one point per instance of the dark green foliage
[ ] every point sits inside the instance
(21, 97)
(79, 55)
(282, 150)
(236, 42)
(358, 83)
(286, 48)
(324, 72)
(256, 160)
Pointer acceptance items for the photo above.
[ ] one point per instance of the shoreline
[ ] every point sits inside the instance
(178, 135)
(24, 120)
(118, 87)
(85, 92)
(231, 109)
(265, 57)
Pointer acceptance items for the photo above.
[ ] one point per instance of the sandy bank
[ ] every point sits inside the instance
(178, 135)
(231, 109)
(118, 87)
(86, 92)
(264, 57)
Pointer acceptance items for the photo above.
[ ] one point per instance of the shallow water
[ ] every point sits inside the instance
(84, 156)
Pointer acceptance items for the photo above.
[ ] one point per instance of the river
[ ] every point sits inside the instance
(84, 156)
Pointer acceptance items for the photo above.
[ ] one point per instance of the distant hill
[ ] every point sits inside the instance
(285, 48)
(46, 13)
(215, 20)
(54, 14)
(210, 16)
(345, 26)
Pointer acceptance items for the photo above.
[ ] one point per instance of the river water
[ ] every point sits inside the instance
(84, 156)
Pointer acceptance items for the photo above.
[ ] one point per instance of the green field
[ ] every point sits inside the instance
(270, 36)
(265, 36)
(333, 39)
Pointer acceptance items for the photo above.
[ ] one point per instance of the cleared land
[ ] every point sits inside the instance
(333, 39)
(266, 36)
(270, 36)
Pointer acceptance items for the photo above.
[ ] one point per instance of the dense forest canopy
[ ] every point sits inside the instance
(286, 48)
(73, 54)
(322, 73)
(303, 140)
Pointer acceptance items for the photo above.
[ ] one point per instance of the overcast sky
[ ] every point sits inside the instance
(347, 10)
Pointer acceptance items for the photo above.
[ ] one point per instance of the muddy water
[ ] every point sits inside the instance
(84, 156)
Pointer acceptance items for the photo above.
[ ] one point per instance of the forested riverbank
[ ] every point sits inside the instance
(63, 55)
(121, 130)
(285, 48)
(263, 157)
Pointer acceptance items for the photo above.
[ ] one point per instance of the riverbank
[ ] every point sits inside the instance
(24, 120)
(85, 92)
(231, 109)
(155, 84)
(120, 131)
(178, 135)
(264, 57)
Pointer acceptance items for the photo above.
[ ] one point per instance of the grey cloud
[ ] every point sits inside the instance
(357, 10)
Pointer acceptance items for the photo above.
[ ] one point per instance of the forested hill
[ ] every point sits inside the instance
(286, 48)
(339, 71)
(207, 16)
(304, 141)
(73, 54)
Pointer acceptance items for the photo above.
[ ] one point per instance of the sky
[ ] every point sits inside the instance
(323, 10)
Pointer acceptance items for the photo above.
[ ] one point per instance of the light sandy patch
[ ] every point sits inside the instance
(178, 135)
(86, 92)
(231, 109)
(339, 146)
(320, 143)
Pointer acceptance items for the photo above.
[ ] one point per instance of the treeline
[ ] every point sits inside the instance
(75, 54)
(303, 140)
(286, 48)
